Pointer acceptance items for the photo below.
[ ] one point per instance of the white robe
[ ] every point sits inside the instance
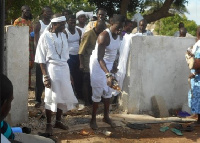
(61, 94)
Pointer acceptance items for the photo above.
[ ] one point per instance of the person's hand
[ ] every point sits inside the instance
(81, 67)
(109, 81)
(114, 70)
(47, 82)
(189, 53)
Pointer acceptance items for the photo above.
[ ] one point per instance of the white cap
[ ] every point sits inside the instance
(81, 12)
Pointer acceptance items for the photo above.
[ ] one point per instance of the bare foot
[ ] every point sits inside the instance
(110, 122)
(93, 124)
(49, 129)
(60, 125)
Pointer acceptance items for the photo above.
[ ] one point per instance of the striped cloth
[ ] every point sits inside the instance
(6, 130)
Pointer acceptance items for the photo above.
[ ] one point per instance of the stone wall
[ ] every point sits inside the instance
(157, 66)
(16, 62)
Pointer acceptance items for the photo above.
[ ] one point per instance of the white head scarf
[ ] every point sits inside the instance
(57, 19)
(87, 14)
(81, 12)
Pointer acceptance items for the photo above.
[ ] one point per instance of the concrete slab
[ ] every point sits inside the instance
(157, 66)
(159, 107)
(17, 66)
(147, 118)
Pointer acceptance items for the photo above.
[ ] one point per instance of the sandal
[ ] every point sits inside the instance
(164, 129)
(176, 131)
(189, 128)
(178, 127)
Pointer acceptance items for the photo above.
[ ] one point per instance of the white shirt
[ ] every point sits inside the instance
(43, 26)
(73, 41)
(51, 48)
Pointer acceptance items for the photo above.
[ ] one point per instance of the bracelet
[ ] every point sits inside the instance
(46, 76)
(46, 79)
(108, 75)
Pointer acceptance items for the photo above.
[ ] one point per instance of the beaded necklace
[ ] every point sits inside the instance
(56, 48)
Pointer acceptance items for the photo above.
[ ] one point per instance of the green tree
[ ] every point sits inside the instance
(13, 7)
(168, 26)
(152, 10)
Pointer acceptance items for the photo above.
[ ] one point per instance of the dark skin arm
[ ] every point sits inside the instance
(80, 56)
(37, 34)
(47, 82)
(103, 41)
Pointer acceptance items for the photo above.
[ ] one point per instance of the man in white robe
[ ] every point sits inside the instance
(52, 54)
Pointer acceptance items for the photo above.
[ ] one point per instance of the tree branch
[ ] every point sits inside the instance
(160, 13)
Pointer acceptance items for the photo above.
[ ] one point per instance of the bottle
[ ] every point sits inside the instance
(115, 85)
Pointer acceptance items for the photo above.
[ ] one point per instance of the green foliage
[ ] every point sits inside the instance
(13, 7)
(112, 6)
(168, 26)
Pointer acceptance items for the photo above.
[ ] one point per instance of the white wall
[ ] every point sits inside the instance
(157, 66)
(16, 59)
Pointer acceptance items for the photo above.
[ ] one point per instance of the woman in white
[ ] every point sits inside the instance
(52, 54)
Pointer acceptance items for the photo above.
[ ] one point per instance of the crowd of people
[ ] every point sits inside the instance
(73, 61)
(76, 60)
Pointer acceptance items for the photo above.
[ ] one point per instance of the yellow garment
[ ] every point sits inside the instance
(86, 47)
(90, 25)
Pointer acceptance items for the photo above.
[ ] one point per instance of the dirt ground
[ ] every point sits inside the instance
(126, 135)
(78, 122)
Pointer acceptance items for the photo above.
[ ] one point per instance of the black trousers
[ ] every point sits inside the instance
(39, 87)
(76, 74)
(87, 89)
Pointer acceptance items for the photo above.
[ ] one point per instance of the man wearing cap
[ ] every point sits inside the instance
(52, 54)
(81, 17)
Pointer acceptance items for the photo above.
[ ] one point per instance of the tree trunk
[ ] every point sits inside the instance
(124, 7)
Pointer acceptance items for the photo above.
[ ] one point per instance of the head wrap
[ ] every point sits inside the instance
(56, 19)
(81, 12)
